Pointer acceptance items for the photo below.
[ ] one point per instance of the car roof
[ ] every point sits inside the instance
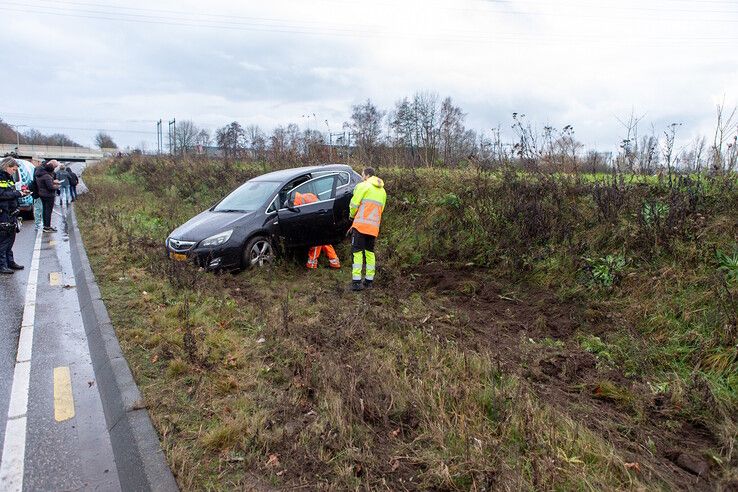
(287, 174)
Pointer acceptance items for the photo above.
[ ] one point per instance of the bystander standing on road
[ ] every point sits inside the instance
(38, 208)
(73, 181)
(47, 187)
(63, 176)
(9, 196)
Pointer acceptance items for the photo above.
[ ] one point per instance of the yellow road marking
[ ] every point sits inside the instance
(52, 243)
(63, 400)
(55, 278)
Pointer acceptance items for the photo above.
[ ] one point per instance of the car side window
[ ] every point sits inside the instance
(323, 188)
(284, 193)
(343, 179)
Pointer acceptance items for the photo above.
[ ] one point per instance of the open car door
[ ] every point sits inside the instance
(344, 192)
(309, 224)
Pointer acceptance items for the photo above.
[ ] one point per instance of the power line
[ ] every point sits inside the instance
(169, 20)
(197, 15)
(719, 41)
(483, 8)
(57, 128)
(69, 118)
(258, 22)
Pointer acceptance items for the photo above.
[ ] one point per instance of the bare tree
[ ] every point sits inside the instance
(279, 143)
(230, 139)
(34, 137)
(366, 126)
(104, 141)
(626, 161)
(294, 141)
(694, 157)
(568, 147)
(7, 133)
(313, 142)
(403, 125)
(185, 136)
(425, 107)
(256, 140)
(647, 156)
(526, 148)
(61, 140)
(203, 138)
(452, 133)
(723, 130)
(670, 137)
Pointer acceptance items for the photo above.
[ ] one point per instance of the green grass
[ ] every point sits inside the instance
(282, 377)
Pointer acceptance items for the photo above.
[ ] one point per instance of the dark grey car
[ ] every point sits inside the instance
(259, 219)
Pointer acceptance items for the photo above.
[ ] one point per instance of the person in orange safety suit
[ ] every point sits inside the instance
(314, 252)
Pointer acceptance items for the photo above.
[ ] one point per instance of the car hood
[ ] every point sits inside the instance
(208, 223)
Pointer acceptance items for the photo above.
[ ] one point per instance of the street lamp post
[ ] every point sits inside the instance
(17, 135)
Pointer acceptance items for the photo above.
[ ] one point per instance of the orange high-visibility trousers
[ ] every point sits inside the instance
(314, 254)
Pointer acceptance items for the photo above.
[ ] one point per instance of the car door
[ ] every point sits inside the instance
(309, 224)
(344, 192)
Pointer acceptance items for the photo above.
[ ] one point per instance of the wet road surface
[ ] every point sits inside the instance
(52, 424)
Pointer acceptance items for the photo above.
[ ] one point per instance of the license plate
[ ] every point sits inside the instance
(178, 256)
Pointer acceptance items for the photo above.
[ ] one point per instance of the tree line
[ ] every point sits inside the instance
(427, 130)
(32, 136)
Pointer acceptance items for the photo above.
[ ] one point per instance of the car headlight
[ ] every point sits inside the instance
(217, 239)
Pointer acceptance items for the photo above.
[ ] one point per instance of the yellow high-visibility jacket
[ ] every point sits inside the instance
(367, 206)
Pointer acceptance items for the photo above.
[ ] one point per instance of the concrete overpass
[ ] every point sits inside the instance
(60, 153)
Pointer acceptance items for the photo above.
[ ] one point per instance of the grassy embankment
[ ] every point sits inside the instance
(527, 332)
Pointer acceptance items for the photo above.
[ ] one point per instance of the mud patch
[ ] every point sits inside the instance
(531, 332)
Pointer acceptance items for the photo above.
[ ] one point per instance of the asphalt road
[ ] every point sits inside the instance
(56, 418)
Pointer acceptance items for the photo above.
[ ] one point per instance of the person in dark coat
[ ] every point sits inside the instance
(38, 208)
(47, 187)
(9, 196)
(73, 181)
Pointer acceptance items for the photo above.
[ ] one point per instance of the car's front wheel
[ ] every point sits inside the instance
(258, 252)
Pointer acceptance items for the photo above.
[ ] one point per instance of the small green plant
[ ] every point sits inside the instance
(654, 212)
(450, 200)
(606, 270)
(594, 345)
(728, 265)
(658, 388)
(727, 291)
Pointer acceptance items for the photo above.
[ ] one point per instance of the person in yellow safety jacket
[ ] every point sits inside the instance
(314, 252)
(367, 205)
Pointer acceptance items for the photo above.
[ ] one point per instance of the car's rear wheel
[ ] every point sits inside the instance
(258, 252)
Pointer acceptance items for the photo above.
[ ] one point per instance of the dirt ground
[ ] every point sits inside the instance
(529, 332)
(491, 317)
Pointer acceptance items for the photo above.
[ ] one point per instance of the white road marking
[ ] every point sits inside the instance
(14, 447)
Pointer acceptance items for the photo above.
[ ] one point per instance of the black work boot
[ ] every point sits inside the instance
(368, 284)
(15, 266)
(6, 270)
(356, 286)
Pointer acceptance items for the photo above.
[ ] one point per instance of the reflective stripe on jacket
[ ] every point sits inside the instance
(367, 206)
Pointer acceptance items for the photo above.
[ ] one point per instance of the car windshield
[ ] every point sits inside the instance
(249, 196)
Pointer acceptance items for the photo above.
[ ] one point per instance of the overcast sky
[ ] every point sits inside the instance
(68, 66)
